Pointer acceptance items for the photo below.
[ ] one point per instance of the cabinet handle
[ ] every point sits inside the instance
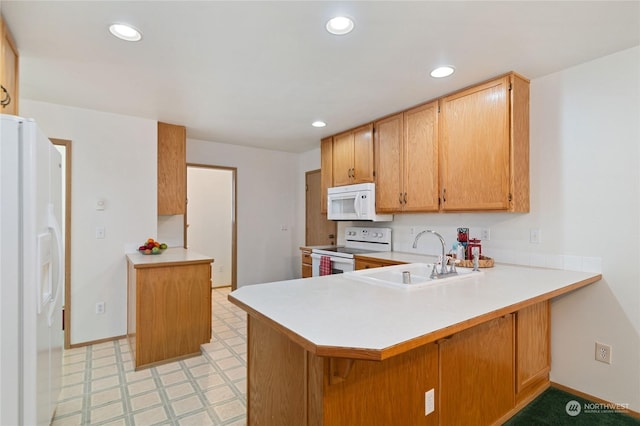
(6, 99)
(444, 195)
(405, 198)
(400, 198)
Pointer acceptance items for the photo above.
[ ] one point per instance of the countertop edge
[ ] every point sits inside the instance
(388, 352)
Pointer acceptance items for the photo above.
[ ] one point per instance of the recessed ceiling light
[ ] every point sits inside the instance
(318, 124)
(340, 25)
(125, 32)
(440, 72)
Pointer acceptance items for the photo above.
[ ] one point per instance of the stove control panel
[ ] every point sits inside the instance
(365, 234)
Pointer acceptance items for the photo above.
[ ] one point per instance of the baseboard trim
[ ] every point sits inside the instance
(95, 342)
(576, 392)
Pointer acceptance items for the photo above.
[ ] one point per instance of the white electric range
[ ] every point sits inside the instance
(357, 240)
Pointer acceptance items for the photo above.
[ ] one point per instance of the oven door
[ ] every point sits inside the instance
(339, 265)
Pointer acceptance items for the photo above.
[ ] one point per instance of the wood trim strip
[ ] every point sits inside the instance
(634, 414)
(95, 342)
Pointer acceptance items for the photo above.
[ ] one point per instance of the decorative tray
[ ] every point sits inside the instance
(483, 262)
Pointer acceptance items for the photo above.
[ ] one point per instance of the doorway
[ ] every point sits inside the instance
(210, 222)
(318, 230)
(64, 148)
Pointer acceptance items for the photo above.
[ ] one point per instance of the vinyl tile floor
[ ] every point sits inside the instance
(100, 386)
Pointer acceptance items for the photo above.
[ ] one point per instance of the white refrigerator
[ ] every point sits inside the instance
(31, 274)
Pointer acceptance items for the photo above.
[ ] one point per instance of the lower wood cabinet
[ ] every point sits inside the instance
(480, 376)
(168, 312)
(533, 349)
(477, 374)
(371, 263)
(307, 267)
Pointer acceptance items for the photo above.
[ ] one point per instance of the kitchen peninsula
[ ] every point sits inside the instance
(168, 306)
(335, 350)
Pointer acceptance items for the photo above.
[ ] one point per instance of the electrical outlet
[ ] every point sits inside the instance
(100, 232)
(485, 234)
(412, 230)
(429, 402)
(100, 308)
(603, 353)
(535, 236)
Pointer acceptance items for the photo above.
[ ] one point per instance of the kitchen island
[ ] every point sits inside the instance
(335, 350)
(168, 306)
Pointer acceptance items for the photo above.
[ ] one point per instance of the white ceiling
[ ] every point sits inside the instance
(258, 73)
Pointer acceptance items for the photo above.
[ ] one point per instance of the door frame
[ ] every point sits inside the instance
(234, 218)
(67, 242)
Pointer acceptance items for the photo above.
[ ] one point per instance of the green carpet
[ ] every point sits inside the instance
(553, 406)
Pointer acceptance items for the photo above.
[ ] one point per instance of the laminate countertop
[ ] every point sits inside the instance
(341, 316)
(170, 256)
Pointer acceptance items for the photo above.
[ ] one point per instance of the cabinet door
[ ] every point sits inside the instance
(532, 347)
(326, 170)
(8, 71)
(172, 169)
(388, 148)
(343, 159)
(363, 154)
(476, 374)
(474, 131)
(420, 158)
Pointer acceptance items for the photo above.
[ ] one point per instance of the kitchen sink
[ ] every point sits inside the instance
(419, 273)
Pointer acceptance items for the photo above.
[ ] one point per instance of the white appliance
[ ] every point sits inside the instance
(354, 202)
(357, 240)
(31, 274)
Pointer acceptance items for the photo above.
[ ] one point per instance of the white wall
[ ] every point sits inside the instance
(585, 195)
(210, 216)
(267, 186)
(114, 158)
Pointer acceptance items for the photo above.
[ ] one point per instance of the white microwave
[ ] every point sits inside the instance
(354, 202)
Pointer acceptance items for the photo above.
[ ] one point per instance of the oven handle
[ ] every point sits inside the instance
(334, 259)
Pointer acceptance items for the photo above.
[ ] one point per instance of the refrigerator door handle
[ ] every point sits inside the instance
(55, 227)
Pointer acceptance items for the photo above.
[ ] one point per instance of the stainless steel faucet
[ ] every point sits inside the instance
(445, 260)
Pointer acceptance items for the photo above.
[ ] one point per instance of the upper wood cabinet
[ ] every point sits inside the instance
(326, 170)
(484, 147)
(172, 169)
(8, 71)
(406, 152)
(353, 156)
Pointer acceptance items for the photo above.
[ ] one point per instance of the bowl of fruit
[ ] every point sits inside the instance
(152, 247)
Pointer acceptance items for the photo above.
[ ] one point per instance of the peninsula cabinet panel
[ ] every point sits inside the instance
(533, 358)
(172, 169)
(484, 144)
(326, 170)
(390, 392)
(476, 374)
(353, 156)
(276, 377)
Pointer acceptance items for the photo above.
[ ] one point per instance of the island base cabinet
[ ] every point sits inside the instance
(476, 374)
(169, 312)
